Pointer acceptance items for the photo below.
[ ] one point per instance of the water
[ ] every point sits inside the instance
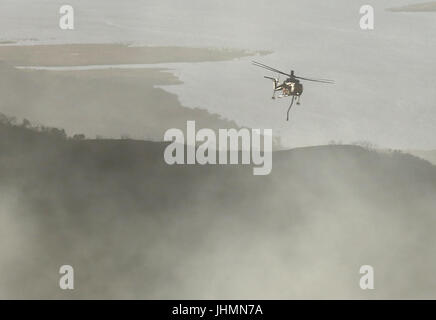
(384, 90)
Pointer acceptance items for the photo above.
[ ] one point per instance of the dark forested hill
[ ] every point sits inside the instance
(135, 227)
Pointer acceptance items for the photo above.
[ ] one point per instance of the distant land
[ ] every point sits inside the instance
(420, 7)
(103, 54)
(110, 102)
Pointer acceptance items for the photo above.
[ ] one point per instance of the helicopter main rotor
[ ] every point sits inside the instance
(291, 74)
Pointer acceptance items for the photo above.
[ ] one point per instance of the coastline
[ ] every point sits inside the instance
(105, 54)
(419, 7)
(89, 101)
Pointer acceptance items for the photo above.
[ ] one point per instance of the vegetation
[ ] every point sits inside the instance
(135, 227)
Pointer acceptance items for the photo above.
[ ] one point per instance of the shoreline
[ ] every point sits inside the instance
(425, 7)
(106, 54)
(103, 101)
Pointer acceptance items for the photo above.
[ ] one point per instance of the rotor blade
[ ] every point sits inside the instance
(268, 68)
(317, 80)
(261, 65)
(257, 64)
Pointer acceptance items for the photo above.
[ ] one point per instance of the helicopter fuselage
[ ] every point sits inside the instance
(290, 87)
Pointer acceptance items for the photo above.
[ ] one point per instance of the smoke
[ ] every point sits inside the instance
(134, 227)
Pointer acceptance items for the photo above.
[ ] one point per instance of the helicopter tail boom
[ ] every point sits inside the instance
(276, 87)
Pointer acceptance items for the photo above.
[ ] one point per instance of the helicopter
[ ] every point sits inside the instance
(291, 86)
